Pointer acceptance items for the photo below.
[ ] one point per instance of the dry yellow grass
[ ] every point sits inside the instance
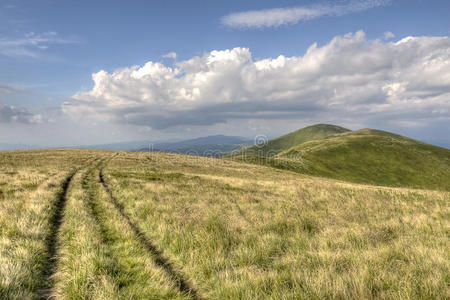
(30, 186)
(150, 225)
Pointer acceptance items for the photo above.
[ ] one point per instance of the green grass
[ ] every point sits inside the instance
(275, 146)
(363, 156)
(374, 157)
(166, 226)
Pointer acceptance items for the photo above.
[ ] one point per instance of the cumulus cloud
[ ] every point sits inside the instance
(10, 114)
(31, 44)
(350, 77)
(288, 16)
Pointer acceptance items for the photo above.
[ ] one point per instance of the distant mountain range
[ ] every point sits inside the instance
(214, 145)
(6, 146)
(210, 145)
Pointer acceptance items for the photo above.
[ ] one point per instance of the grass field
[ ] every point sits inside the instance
(86, 224)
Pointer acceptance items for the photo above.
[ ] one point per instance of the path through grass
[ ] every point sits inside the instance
(79, 224)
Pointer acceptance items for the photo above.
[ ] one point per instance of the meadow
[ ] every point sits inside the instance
(90, 224)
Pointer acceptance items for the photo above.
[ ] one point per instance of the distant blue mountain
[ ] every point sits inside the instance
(207, 140)
(6, 146)
(213, 145)
(126, 146)
(216, 143)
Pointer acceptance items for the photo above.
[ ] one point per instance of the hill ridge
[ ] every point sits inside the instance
(367, 156)
(274, 146)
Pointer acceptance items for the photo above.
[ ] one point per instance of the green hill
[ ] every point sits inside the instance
(275, 146)
(367, 156)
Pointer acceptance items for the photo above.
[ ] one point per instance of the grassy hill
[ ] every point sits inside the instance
(365, 156)
(90, 224)
(275, 146)
(374, 157)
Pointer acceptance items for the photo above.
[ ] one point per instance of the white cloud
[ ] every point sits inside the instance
(388, 35)
(171, 55)
(288, 16)
(351, 77)
(10, 114)
(31, 45)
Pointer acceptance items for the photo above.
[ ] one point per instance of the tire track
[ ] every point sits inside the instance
(88, 183)
(55, 221)
(177, 277)
(51, 241)
(91, 188)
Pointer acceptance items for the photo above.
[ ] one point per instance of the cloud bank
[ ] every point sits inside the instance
(351, 77)
(288, 16)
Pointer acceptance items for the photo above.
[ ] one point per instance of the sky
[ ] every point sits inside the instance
(93, 72)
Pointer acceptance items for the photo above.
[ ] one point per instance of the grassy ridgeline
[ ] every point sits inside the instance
(375, 157)
(363, 156)
(153, 225)
(277, 145)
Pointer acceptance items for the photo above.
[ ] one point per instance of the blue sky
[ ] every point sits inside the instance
(50, 49)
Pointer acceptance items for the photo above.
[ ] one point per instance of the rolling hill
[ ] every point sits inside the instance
(277, 145)
(363, 156)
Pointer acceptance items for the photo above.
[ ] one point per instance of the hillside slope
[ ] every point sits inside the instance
(373, 157)
(275, 146)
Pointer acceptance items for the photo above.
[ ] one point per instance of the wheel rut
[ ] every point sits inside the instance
(88, 183)
(51, 241)
(49, 267)
(177, 277)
